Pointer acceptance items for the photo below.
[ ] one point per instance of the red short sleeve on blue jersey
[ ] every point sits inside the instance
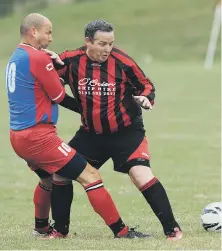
(42, 68)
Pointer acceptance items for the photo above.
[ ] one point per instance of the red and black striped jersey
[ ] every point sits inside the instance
(104, 91)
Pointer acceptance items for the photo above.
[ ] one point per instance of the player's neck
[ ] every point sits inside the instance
(30, 43)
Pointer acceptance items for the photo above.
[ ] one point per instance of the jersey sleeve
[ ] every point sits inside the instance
(70, 103)
(66, 57)
(47, 76)
(142, 84)
(62, 69)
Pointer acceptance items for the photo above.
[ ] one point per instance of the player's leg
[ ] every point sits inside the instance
(42, 203)
(61, 201)
(47, 151)
(95, 152)
(25, 146)
(156, 196)
(95, 156)
(137, 165)
(101, 201)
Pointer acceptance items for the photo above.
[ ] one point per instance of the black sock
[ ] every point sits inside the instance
(156, 196)
(41, 223)
(117, 226)
(61, 200)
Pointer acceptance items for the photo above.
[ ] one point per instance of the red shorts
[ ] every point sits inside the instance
(41, 148)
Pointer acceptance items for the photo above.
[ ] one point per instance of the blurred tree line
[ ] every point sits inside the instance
(7, 7)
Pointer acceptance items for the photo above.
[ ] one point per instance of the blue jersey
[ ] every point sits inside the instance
(33, 88)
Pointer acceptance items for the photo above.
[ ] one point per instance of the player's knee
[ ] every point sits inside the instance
(92, 173)
(46, 182)
(88, 176)
(140, 175)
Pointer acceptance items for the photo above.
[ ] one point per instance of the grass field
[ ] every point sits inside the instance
(183, 131)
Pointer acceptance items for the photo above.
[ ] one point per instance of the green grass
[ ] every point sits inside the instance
(183, 129)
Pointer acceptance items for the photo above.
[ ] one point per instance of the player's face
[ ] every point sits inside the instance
(100, 48)
(44, 35)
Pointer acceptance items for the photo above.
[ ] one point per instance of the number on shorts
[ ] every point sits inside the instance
(10, 77)
(65, 149)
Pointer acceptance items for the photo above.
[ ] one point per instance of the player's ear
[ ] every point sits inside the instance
(33, 32)
(88, 40)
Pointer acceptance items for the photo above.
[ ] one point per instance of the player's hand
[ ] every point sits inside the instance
(54, 56)
(143, 102)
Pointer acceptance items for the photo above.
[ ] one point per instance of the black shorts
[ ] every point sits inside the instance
(127, 148)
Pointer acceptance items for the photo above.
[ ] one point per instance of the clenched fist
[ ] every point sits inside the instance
(143, 102)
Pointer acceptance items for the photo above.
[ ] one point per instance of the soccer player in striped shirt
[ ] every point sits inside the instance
(110, 89)
(34, 92)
